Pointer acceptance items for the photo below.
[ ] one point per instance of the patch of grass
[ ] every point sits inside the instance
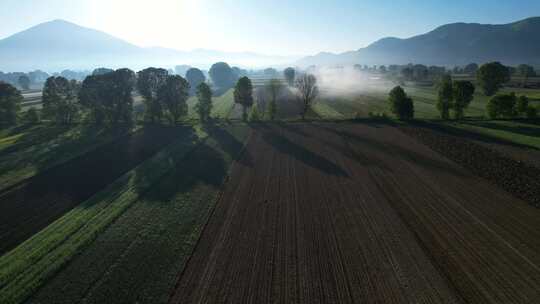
(520, 132)
(24, 269)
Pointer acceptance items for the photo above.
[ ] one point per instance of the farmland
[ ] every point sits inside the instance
(327, 213)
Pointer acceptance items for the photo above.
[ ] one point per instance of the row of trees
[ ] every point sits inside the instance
(510, 106)
(304, 86)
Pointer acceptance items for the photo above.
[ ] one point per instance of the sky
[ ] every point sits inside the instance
(279, 27)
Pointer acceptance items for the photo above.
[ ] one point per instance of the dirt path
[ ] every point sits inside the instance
(360, 214)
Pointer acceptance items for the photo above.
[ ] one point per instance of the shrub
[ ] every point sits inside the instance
(531, 112)
(502, 105)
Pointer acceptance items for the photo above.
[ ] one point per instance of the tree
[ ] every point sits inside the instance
(173, 94)
(463, 95)
(400, 104)
(204, 106)
(148, 83)
(60, 99)
(445, 96)
(243, 95)
(195, 77)
(31, 116)
(522, 104)
(24, 82)
(471, 69)
(274, 87)
(222, 75)
(270, 72)
(525, 71)
(307, 91)
(109, 96)
(102, 71)
(407, 73)
(532, 112)
(502, 105)
(491, 76)
(10, 103)
(290, 75)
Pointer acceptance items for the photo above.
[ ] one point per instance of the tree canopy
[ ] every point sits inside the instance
(24, 82)
(243, 95)
(491, 76)
(290, 75)
(463, 92)
(306, 84)
(222, 75)
(195, 77)
(445, 96)
(400, 104)
(10, 103)
(148, 83)
(60, 99)
(108, 96)
(204, 105)
(173, 94)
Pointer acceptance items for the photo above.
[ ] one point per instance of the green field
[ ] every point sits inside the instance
(520, 132)
(425, 100)
(157, 193)
(26, 150)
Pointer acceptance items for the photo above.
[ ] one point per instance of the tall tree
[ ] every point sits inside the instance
(274, 88)
(60, 99)
(243, 95)
(204, 106)
(307, 92)
(173, 95)
(290, 75)
(401, 105)
(10, 104)
(24, 82)
(491, 76)
(222, 75)
(502, 105)
(463, 95)
(445, 96)
(109, 96)
(148, 83)
(195, 77)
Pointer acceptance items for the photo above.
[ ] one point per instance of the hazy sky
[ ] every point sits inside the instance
(294, 27)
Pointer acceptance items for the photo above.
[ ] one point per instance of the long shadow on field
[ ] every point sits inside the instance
(227, 142)
(43, 198)
(203, 165)
(285, 145)
(389, 149)
(523, 130)
(467, 134)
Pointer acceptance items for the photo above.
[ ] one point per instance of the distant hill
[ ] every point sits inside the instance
(449, 45)
(58, 45)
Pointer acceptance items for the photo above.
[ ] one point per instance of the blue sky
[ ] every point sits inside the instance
(273, 27)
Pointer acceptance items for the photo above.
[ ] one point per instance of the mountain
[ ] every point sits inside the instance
(58, 45)
(448, 45)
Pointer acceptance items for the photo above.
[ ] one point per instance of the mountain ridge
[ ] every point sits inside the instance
(450, 44)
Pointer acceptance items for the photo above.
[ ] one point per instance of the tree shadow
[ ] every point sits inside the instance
(231, 145)
(392, 149)
(523, 130)
(468, 134)
(300, 153)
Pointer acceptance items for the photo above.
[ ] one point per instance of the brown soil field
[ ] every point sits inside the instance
(38, 201)
(360, 213)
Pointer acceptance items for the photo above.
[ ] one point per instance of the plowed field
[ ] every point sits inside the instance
(360, 213)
